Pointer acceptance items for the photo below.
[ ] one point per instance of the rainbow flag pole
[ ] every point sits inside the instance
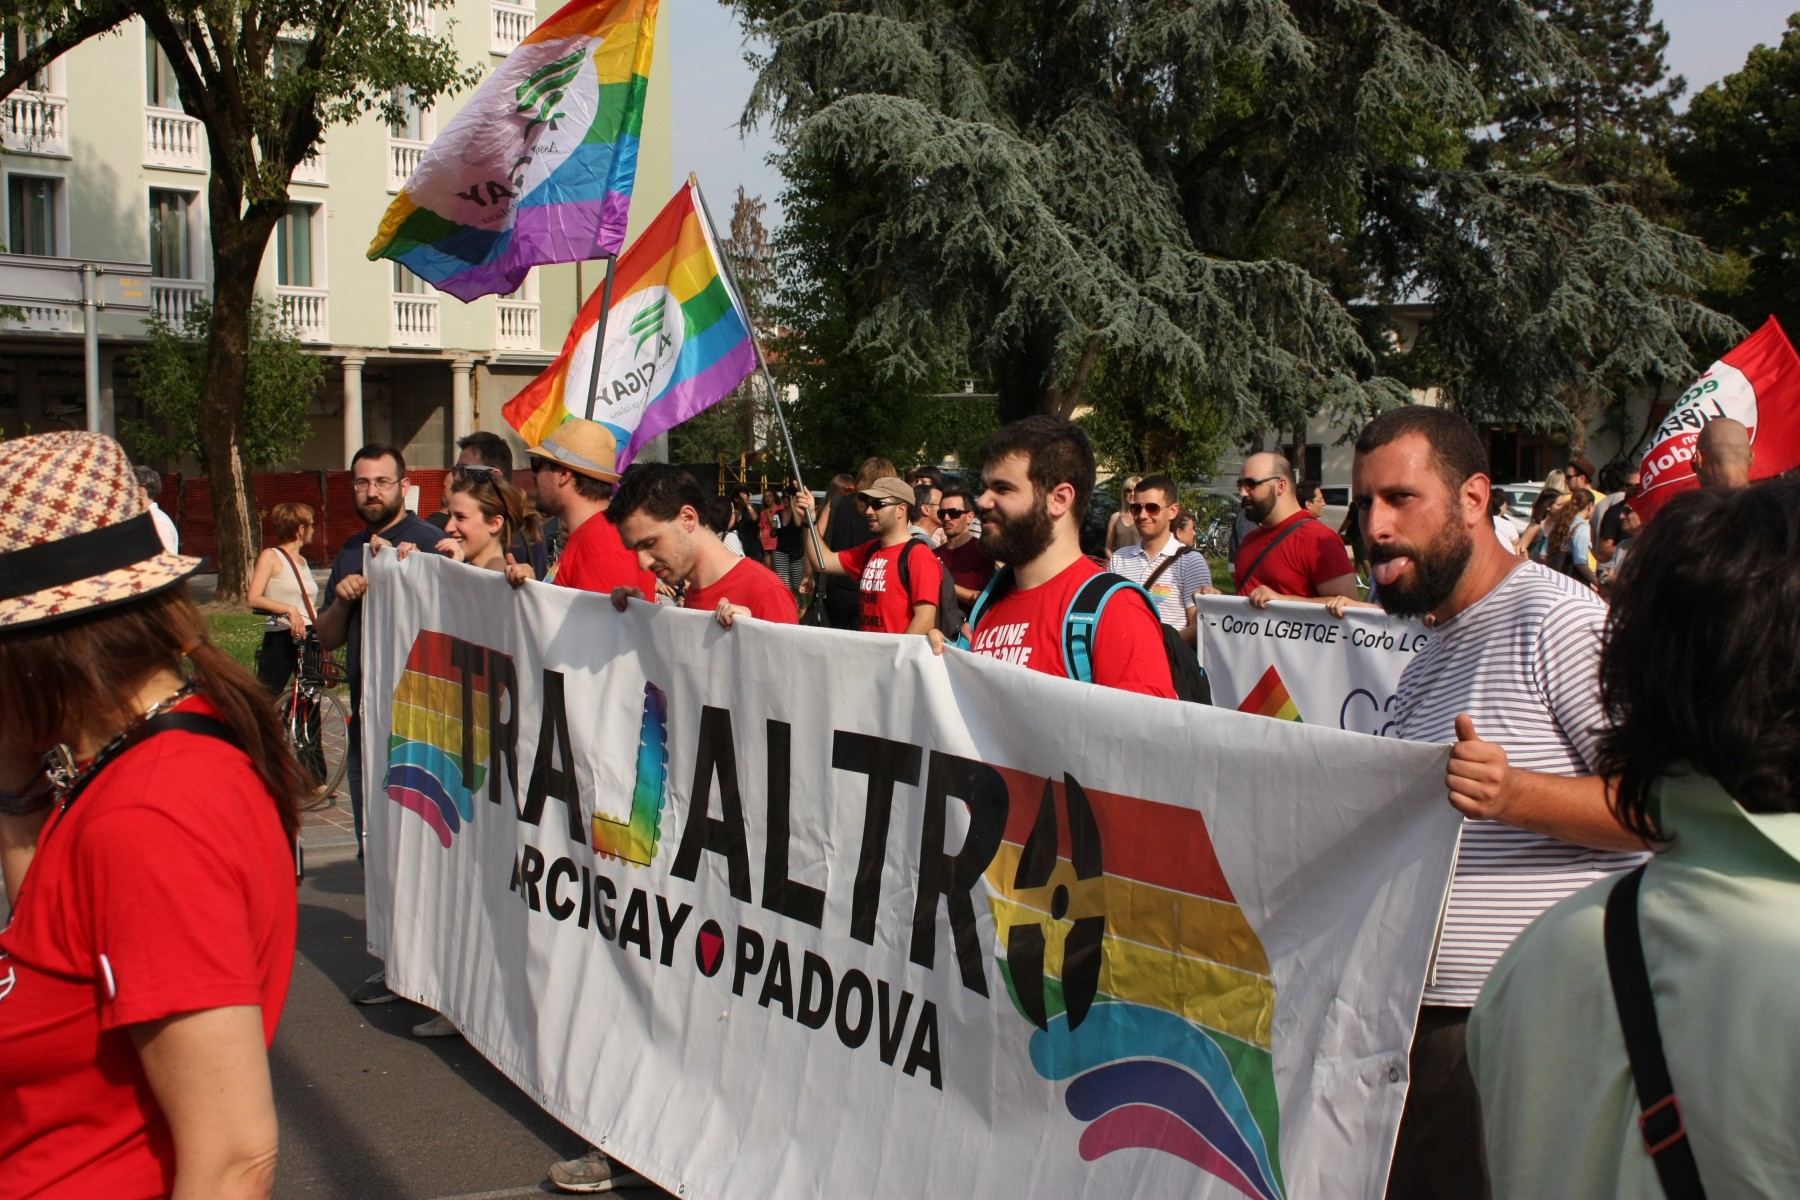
(762, 362)
(606, 290)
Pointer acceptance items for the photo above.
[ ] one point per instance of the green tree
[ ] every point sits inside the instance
(266, 79)
(1221, 195)
(1738, 165)
(280, 381)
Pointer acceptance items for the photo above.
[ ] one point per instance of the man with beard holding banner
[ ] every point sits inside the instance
(1513, 655)
(656, 508)
(1037, 478)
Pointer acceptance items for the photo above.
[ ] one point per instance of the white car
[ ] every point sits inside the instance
(1520, 497)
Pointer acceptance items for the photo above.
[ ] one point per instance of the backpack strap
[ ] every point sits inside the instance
(996, 590)
(1164, 565)
(1082, 621)
(1661, 1124)
(905, 573)
(1272, 543)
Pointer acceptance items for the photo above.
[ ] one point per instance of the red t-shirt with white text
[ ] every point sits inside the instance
(1026, 627)
(884, 608)
(166, 888)
(595, 560)
(1306, 558)
(752, 585)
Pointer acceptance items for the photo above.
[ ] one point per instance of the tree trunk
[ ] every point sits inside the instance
(238, 245)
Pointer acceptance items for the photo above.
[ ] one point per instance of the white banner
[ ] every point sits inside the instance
(867, 922)
(1296, 662)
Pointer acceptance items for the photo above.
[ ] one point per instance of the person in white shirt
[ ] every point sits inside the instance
(1168, 570)
(151, 482)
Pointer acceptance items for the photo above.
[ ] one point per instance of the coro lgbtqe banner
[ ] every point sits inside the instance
(791, 912)
(1297, 662)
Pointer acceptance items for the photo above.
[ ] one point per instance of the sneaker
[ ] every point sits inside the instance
(593, 1172)
(438, 1026)
(373, 990)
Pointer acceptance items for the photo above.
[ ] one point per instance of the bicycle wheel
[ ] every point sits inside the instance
(317, 726)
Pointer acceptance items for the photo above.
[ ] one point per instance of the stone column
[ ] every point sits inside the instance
(462, 421)
(353, 412)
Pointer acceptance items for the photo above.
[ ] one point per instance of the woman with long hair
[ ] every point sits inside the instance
(147, 809)
(283, 586)
(1121, 530)
(1570, 538)
(486, 514)
(1700, 748)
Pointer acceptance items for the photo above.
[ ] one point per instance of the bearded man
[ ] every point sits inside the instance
(1513, 656)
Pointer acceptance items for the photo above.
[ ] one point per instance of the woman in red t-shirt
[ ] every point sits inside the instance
(149, 867)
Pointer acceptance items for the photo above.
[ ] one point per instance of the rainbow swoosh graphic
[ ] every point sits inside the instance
(1269, 698)
(431, 771)
(1151, 992)
(634, 840)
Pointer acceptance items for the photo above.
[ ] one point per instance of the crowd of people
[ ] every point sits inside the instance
(1583, 741)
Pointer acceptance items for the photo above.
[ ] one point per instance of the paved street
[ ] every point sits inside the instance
(367, 1110)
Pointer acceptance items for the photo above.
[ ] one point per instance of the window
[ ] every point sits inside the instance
(19, 43)
(31, 204)
(160, 87)
(411, 125)
(170, 238)
(408, 284)
(294, 246)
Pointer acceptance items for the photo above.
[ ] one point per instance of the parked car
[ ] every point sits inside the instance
(1520, 497)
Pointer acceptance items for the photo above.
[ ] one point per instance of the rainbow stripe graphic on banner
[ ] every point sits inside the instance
(1269, 698)
(635, 839)
(677, 341)
(1151, 991)
(538, 166)
(439, 748)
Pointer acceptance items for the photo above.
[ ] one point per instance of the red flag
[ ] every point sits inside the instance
(1758, 383)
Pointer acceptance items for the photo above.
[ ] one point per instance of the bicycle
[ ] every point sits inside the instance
(316, 722)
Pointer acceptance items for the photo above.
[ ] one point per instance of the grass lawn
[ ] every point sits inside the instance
(237, 630)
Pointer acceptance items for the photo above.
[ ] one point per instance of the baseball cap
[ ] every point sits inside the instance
(888, 487)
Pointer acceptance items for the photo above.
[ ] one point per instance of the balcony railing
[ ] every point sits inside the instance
(416, 322)
(311, 170)
(173, 140)
(33, 123)
(418, 17)
(174, 298)
(306, 311)
(43, 318)
(517, 322)
(509, 24)
(404, 157)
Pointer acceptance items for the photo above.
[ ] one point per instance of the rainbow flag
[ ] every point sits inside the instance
(1270, 698)
(677, 341)
(1151, 992)
(440, 746)
(538, 165)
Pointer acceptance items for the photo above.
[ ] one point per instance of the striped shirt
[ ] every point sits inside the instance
(1174, 587)
(1523, 663)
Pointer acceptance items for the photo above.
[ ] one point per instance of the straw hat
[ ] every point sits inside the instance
(75, 530)
(584, 447)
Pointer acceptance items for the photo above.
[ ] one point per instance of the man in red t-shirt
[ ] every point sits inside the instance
(887, 607)
(969, 566)
(1037, 478)
(656, 509)
(575, 478)
(1291, 554)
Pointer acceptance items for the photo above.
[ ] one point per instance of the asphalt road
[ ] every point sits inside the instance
(369, 1111)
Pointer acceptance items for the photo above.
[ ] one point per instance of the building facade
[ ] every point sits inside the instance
(101, 164)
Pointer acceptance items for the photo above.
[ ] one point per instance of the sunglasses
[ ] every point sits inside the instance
(1149, 509)
(474, 471)
(952, 514)
(1245, 485)
(876, 505)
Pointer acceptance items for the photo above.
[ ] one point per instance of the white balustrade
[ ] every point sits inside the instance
(33, 123)
(306, 311)
(416, 321)
(517, 324)
(174, 298)
(418, 17)
(311, 170)
(174, 140)
(41, 318)
(510, 24)
(404, 157)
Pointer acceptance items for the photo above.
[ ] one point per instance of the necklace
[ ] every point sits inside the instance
(66, 775)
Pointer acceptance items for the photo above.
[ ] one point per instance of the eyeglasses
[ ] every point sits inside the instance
(953, 514)
(539, 464)
(383, 484)
(1250, 485)
(474, 471)
(876, 505)
(1149, 509)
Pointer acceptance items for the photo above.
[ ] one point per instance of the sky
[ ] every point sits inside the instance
(1708, 39)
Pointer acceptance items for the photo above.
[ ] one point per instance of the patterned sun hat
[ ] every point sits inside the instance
(75, 530)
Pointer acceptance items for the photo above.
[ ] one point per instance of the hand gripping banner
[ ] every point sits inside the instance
(797, 912)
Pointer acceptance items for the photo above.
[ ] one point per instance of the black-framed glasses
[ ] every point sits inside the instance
(475, 471)
(953, 514)
(1250, 485)
(1149, 509)
(876, 505)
